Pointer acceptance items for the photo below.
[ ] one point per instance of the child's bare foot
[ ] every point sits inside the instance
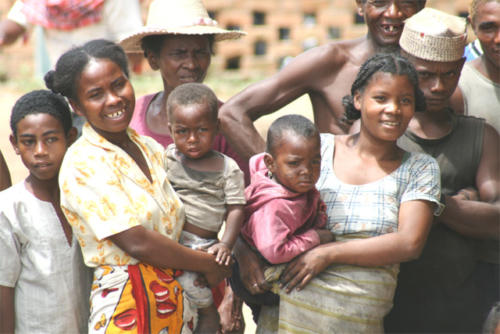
(230, 311)
(208, 320)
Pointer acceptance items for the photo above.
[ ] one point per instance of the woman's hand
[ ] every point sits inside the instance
(303, 268)
(217, 273)
(251, 269)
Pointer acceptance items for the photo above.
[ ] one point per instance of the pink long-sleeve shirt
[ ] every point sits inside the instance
(280, 223)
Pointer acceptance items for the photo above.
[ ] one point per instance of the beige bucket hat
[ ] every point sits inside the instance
(185, 17)
(434, 35)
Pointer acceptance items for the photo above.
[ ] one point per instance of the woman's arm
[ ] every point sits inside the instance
(7, 311)
(151, 247)
(415, 219)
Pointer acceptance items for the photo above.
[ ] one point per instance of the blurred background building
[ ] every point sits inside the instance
(280, 29)
(277, 30)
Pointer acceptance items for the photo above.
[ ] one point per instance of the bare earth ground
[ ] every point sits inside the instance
(10, 93)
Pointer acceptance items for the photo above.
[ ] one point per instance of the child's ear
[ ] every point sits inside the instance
(169, 125)
(71, 136)
(13, 141)
(269, 161)
(76, 108)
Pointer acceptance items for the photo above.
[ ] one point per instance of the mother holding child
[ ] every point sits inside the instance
(123, 210)
(380, 202)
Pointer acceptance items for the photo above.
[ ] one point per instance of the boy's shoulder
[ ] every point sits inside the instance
(16, 192)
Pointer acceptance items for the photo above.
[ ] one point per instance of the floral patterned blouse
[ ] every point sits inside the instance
(104, 192)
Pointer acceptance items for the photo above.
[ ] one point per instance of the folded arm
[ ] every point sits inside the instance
(479, 218)
(273, 232)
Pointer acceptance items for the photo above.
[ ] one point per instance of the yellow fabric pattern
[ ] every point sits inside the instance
(104, 192)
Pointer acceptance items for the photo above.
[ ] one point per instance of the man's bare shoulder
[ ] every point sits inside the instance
(348, 50)
(339, 53)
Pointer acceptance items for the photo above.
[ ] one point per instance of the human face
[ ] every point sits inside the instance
(105, 97)
(193, 129)
(182, 59)
(486, 26)
(387, 105)
(385, 18)
(437, 80)
(295, 162)
(41, 143)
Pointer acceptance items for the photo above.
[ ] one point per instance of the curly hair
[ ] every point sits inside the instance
(41, 102)
(299, 125)
(387, 63)
(69, 66)
(193, 93)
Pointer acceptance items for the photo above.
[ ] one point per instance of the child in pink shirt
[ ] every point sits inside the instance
(284, 215)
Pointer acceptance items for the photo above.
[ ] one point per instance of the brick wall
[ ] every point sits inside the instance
(290, 27)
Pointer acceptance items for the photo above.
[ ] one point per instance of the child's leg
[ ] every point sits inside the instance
(208, 320)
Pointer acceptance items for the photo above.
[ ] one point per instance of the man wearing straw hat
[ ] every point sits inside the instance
(325, 73)
(177, 40)
(439, 292)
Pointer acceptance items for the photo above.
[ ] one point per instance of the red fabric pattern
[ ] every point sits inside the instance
(63, 14)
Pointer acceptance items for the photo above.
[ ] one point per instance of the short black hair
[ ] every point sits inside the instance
(41, 102)
(193, 93)
(297, 124)
(387, 63)
(154, 43)
(69, 66)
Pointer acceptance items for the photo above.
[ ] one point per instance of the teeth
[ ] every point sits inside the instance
(391, 123)
(116, 114)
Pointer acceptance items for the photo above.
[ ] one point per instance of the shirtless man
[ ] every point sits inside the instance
(324, 73)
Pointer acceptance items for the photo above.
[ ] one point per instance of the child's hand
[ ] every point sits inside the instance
(325, 236)
(222, 253)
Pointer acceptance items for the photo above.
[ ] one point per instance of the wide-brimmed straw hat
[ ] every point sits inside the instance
(184, 17)
(434, 35)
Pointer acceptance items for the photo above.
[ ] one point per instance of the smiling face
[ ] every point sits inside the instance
(296, 161)
(437, 80)
(182, 59)
(41, 142)
(193, 129)
(385, 18)
(387, 105)
(486, 25)
(105, 97)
